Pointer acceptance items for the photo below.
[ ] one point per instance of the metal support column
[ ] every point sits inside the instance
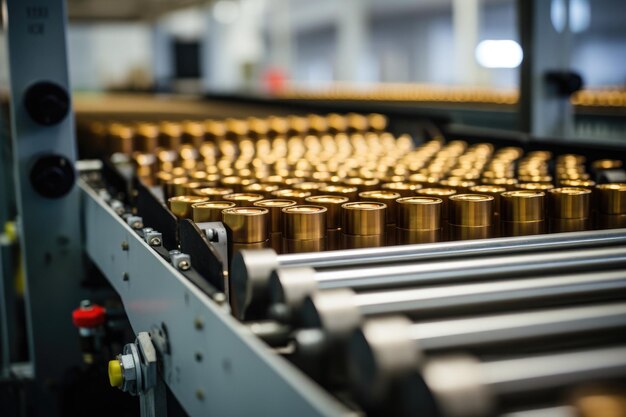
(544, 111)
(42, 132)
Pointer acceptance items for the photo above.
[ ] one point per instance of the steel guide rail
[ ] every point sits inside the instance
(237, 375)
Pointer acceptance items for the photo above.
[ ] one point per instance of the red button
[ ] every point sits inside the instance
(88, 317)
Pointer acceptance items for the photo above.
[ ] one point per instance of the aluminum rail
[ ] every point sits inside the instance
(489, 382)
(291, 286)
(340, 311)
(251, 269)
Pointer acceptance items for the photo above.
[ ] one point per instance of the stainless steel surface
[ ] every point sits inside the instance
(251, 270)
(456, 382)
(442, 272)
(156, 293)
(49, 229)
(431, 302)
(390, 347)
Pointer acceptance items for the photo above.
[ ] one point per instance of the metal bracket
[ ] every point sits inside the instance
(215, 233)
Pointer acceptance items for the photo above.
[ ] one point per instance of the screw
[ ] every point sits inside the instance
(124, 245)
(219, 298)
(137, 225)
(155, 241)
(198, 323)
(183, 265)
(200, 394)
(211, 234)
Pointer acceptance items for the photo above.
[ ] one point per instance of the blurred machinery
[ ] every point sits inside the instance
(316, 264)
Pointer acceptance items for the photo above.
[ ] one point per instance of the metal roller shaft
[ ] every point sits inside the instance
(489, 382)
(291, 286)
(251, 270)
(388, 348)
(324, 308)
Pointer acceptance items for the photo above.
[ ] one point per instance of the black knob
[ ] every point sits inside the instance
(52, 176)
(47, 103)
(565, 83)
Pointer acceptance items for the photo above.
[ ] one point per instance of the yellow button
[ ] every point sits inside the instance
(115, 373)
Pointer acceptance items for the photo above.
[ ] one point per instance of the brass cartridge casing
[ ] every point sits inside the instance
(523, 206)
(333, 206)
(410, 237)
(471, 210)
(301, 246)
(309, 186)
(172, 187)
(210, 211)
(362, 241)
(214, 193)
(264, 189)
(382, 196)
(569, 203)
(540, 186)
(578, 183)
(362, 184)
(304, 222)
(443, 193)
(612, 198)
(524, 228)
(419, 213)
(181, 205)
(236, 183)
(405, 189)
(492, 190)
(289, 194)
(243, 199)
(190, 187)
(275, 207)
(363, 218)
(340, 190)
(508, 183)
(247, 224)
(146, 137)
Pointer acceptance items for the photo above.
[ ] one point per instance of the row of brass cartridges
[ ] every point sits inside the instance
(369, 155)
(255, 217)
(146, 137)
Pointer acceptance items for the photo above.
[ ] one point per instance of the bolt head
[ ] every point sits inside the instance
(129, 369)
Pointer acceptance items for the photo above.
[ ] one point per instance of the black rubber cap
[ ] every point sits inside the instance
(52, 176)
(47, 103)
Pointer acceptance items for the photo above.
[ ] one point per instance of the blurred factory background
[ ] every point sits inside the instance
(408, 50)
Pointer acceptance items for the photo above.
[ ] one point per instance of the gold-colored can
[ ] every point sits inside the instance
(309, 186)
(173, 187)
(303, 246)
(508, 183)
(523, 228)
(362, 241)
(146, 137)
(569, 203)
(181, 206)
(120, 139)
(419, 213)
(523, 206)
(492, 190)
(264, 189)
(304, 222)
(443, 193)
(214, 193)
(275, 207)
(362, 184)
(333, 206)
(604, 164)
(411, 237)
(612, 198)
(340, 190)
(247, 224)
(210, 211)
(405, 189)
(290, 194)
(539, 186)
(382, 196)
(364, 218)
(236, 183)
(471, 210)
(578, 183)
(243, 199)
